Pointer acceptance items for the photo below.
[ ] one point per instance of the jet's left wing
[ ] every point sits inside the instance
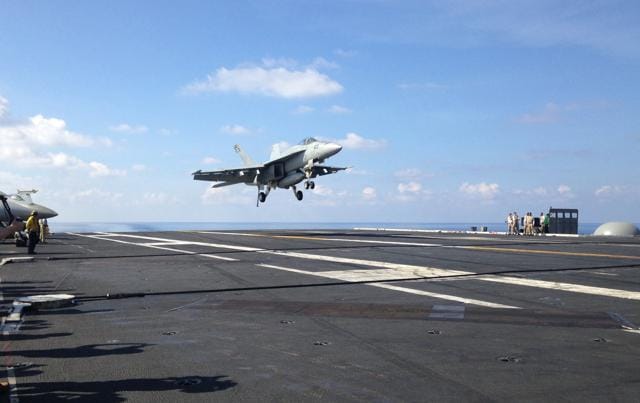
(321, 170)
(229, 176)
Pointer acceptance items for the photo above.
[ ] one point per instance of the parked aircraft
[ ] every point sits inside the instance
(12, 225)
(284, 169)
(22, 205)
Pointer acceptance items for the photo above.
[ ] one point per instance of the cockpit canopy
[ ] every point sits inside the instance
(307, 141)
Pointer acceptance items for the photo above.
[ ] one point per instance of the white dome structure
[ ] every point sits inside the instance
(617, 228)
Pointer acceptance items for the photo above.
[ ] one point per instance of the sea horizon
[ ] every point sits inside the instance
(139, 226)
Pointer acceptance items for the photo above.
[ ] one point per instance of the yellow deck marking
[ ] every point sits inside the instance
(548, 252)
(481, 248)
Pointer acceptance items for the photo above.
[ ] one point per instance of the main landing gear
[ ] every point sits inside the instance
(297, 193)
(309, 185)
(262, 195)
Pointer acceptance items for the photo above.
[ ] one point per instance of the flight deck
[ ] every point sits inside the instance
(322, 315)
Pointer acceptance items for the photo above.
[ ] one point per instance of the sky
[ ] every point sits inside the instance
(448, 111)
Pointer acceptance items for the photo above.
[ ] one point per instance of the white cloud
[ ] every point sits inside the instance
(623, 192)
(408, 173)
(322, 63)
(96, 195)
(411, 191)
(356, 142)
(33, 143)
(10, 181)
(565, 190)
(235, 130)
(42, 131)
(4, 107)
(303, 109)
(338, 110)
(411, 187)
(268, 80)
(607, 190)
(129, 129)
(210, 160)
(327, 196)
(322, 190)
(100, 169)
(483, 190)
(369, 193)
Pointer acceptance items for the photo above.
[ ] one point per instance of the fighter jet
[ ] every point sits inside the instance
(284, 169)
(11, 225)
(22, 205)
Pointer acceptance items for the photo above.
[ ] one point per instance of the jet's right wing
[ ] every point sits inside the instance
(229, 176)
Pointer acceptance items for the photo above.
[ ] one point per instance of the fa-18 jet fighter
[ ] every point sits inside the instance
(285, 169)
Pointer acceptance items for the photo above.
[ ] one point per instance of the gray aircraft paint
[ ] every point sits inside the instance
(22, 205)
(285, 169)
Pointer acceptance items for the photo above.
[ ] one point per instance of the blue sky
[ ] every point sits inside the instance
(447, 110)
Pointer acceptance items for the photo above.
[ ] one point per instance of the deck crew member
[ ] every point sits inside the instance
(32, 228)
(545, 224)
(44, 230)
(528, 224)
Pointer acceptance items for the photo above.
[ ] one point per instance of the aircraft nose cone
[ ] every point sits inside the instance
(45, 212)
(334, 148)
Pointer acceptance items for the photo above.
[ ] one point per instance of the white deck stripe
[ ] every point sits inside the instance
(153, 246)
(314, 238)
(336, 275)
(187, 252)
(405, 268)
(429, 271)
(553, 285)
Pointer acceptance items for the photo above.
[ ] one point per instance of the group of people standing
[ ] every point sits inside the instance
(531, 225)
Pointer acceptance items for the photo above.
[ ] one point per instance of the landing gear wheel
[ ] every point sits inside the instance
(307, 185)
(299, 195)
(312, 184)
(262, 197)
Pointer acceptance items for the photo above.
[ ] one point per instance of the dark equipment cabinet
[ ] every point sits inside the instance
(563, 221)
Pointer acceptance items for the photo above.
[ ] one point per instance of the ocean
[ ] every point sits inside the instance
(55, 226)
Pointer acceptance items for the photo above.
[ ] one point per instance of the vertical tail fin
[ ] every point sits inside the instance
(245, 158)
(275, 151)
